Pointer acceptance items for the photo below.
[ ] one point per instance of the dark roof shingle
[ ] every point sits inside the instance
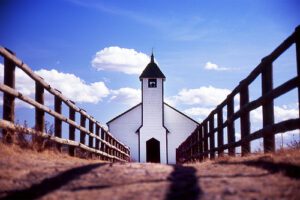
(152, 70)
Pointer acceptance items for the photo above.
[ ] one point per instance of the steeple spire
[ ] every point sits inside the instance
(152, 70)
(152, 57)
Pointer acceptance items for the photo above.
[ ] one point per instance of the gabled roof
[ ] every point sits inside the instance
(152, 70)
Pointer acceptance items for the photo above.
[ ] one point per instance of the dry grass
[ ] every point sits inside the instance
(22, 167)
(265, 176)
(27, 141)
(287, 155)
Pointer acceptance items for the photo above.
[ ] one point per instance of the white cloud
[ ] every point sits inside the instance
(119, 59)
(284, 113)
(281, 113)
(128, 96)
(203, 96)
(70, 85)
(213, 66)
(199, 112)
(256, 115)
(75, 88)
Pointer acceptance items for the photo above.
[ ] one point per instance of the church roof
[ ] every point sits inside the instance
(152, 70)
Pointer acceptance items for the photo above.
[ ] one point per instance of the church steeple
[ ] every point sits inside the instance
(152, 70)
(152, 58)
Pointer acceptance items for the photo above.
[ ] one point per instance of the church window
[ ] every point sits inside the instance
(152, 83)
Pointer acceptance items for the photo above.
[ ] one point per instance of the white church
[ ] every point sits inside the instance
(152, 129)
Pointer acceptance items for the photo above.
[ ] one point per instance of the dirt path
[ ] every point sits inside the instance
(31, 175)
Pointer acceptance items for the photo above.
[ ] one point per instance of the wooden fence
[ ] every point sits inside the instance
(100, 142)
(201, 145)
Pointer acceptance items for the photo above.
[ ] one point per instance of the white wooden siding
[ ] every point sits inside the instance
(124, 128)
(180, 128)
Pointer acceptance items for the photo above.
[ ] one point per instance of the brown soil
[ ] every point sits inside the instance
(26, 174)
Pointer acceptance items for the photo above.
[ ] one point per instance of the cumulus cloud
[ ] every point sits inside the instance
(118, 59)
(23, 84)
(199, 112)
(128, 96)
(284, 113)
(204, 96)
(70, 85)
(75, 88)
(212, 66)
(281, 113)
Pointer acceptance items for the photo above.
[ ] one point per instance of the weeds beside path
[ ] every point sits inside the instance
(31, 175)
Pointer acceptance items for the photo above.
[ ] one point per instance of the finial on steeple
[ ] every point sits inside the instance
(152, 56)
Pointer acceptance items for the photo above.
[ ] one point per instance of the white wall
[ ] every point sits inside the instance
(152, 104)
(179, 125)
(180, 128)
(153, 119)
(159, 133)
(124, 128)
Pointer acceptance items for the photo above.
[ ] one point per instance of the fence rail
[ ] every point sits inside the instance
(100, 143)
(201, 143)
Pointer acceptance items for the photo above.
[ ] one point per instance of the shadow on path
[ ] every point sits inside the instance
(290, 170)
(184, 184)
(238, 175)
(50, 184)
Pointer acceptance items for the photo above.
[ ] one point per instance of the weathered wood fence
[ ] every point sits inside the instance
(201, 145)
(100, 143)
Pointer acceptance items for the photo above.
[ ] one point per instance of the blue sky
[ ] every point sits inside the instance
(203, 47)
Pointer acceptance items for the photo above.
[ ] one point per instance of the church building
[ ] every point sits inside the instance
(152, 129)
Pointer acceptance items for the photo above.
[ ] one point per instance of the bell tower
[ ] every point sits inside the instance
(152, 82)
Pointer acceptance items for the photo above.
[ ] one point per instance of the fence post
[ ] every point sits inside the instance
(211, 137)
(114, 144)
(91, 129)
(197, 144)
(107, 146)
(98, 134)
(117, 152)
(230, 126)
(102, 137)
(82, 124)
(72, 116)
(109, 141)
(200, 142)
(268, 105)
(39, 114)
(190, 148)
(57, 122)
(9, 100)
(297, 40)
(205, 142)
(220, 132)
(245, 120)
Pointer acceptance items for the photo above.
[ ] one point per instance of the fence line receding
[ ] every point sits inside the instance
(201, 143)
(100, 142)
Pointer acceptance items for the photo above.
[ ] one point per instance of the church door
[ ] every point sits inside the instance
(153, 150)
